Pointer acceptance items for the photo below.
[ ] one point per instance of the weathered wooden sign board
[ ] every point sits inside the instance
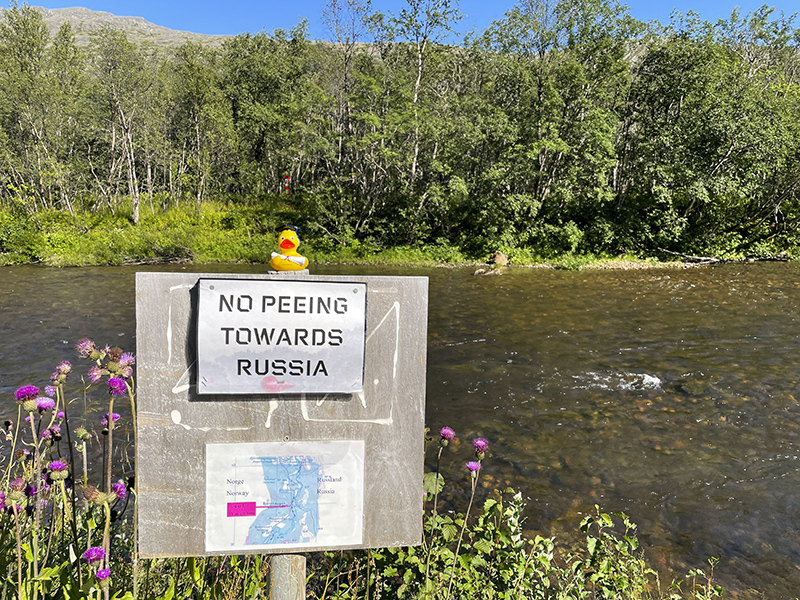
(279, 413)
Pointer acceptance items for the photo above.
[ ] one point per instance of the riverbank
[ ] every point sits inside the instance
(232, 233)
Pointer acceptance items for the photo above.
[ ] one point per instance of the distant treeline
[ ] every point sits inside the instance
(568, 126)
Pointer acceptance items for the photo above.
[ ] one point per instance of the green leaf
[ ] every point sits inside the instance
(478, 561)
(47, 574)
(170, 593)
(634, 542)
(195, 572)
(483, 545)
(591, 545)
(432, 483)
(586, 523)
(449, 532)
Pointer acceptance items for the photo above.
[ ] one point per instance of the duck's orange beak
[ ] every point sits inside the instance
(287, 244)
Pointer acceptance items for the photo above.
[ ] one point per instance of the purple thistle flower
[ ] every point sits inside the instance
(127, 359)
(474, 466)
(44, 403)
(30, 491)
(58, 465)
(64, 367)
(58, 470)
(103, 574)
(85, 347)
(95, 373)
(26, 392)
(480, 445)
(2, 500)
(119, 489)
(45, 434)
(56, 431)
(104, 421)
(94, 554)
(126, 373)
(60, 415)
(116, 386)
(50, 390)
(28, 419)
(447, 434)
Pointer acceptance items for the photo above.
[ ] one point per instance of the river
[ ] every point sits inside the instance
(668, 394)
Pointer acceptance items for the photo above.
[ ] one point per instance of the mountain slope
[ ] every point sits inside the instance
(85, 22)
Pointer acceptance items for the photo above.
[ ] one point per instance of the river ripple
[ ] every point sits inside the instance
(666, 394)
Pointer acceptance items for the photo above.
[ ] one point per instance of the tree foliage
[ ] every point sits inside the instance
(565, 127)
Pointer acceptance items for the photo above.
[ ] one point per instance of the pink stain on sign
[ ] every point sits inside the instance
(270, 383)
(241, 509)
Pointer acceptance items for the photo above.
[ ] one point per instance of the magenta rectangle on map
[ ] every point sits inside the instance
(241, 509)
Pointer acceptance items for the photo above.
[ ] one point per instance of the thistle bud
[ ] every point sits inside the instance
(91, 493)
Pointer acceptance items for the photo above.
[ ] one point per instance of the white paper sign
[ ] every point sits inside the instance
(280, 337)
(268, 495)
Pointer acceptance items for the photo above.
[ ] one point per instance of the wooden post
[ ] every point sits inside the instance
(287, 577)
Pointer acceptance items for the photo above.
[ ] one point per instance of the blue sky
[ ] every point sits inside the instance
(239, 16)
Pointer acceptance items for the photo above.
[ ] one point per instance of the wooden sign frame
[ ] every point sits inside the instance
(175, 423)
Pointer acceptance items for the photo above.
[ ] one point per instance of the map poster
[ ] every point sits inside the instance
(292, 495)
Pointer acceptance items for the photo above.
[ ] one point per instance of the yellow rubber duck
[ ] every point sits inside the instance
(288, 259)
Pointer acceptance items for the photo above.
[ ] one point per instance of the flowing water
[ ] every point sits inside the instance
(667, 394)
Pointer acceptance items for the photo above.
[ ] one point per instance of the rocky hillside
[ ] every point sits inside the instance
(85, 22)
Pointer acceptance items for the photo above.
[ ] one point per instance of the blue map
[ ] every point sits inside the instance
(277, 495)
(292, 515)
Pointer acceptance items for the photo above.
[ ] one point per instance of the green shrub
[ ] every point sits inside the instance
(489, 556)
